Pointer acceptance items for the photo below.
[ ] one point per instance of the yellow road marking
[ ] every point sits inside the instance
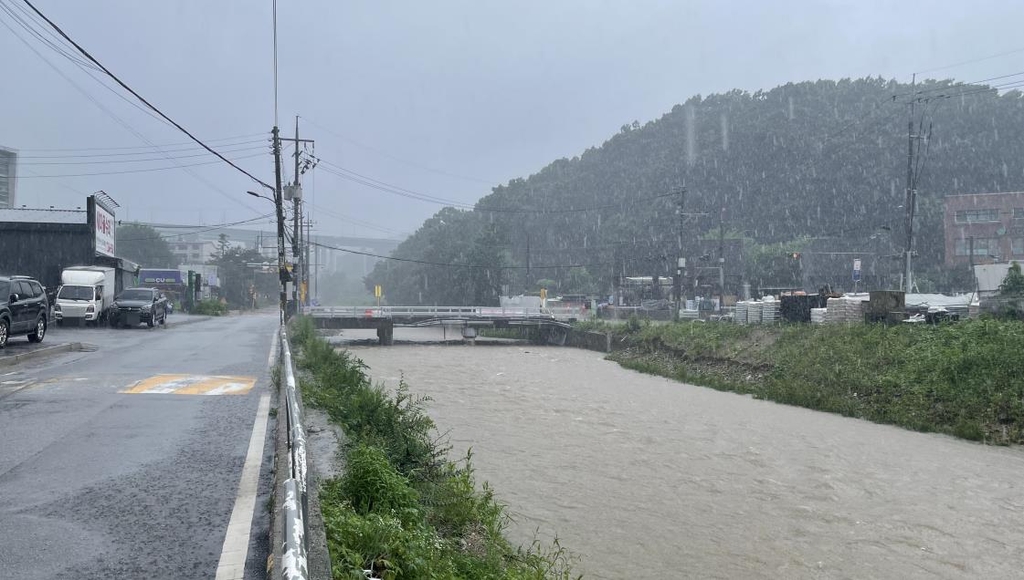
(192, 385)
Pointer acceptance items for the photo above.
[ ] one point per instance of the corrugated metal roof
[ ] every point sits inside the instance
(46, 216)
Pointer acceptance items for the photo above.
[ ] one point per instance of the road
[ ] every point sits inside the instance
(127, 461)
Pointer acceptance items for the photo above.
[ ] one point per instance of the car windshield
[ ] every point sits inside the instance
(76, 293)
(136, 295)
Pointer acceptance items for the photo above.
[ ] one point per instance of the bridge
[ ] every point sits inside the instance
(553, 323)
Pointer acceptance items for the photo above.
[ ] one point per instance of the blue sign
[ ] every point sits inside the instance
(163, 277)
(856, 270)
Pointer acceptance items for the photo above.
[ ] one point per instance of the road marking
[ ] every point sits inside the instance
(275, 344)
(192, 385)
(236, 542)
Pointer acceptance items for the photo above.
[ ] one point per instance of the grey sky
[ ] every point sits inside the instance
(439, 97)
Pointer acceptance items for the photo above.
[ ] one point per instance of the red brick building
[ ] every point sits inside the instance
(995, 221)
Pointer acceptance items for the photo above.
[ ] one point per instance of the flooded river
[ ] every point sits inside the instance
(648, 478)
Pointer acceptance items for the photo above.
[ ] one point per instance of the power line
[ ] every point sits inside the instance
(972, 61)
(85, 66)
(126, 171)
(123, 85)
(116, 118)
(453, 264)
(350, 175)
(166, 147)
(54, 44)
(399, 159)
(54, 160)
(975, 84)
(353, 220)
(206, 229)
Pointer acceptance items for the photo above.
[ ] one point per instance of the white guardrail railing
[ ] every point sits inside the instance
(556, 312)
(294, 564)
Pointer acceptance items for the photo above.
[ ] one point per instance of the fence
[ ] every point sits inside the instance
(294, 564)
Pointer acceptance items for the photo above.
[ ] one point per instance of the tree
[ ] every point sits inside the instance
(796, 162)
(581, 281)
(1011, 294)
(1013, 284)
(222, 244)
(236, 277)
(144, 246)
(486, 268)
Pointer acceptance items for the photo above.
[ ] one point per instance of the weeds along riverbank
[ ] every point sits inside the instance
(403, 509)
(964, 379)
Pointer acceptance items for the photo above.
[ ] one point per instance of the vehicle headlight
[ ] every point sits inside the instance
(56, 307)
(147, 307)
(90, 308)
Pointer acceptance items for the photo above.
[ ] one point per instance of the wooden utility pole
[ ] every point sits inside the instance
(282, 273)
(911, 196)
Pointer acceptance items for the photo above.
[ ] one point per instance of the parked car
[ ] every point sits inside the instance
(24, 309)
(137, 305)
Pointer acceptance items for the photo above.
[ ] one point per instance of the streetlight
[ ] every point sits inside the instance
(254, 194)
(278, 205)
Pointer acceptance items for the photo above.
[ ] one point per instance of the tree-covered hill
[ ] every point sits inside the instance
(821, 160)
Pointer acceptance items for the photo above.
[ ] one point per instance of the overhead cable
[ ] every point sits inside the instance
(125, 86)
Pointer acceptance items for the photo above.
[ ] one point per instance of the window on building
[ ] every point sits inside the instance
(982, 247)
(977, 216)
(1018, 213)
(1017, 246)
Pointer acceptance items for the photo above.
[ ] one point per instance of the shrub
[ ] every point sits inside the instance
(402, 509)
(210, 308)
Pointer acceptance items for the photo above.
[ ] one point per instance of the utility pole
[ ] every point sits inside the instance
(282, 273)
(721, 260)
(296, 197)
(680, 259)
(911, 195)
(305, 261)
(296, 220)
(970, 253)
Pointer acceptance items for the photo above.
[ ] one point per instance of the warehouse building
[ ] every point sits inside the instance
(42, 242)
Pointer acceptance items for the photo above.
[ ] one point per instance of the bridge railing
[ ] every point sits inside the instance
(557, 312)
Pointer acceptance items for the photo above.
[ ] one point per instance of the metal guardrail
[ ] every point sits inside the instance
(555, 312)
(294, 562)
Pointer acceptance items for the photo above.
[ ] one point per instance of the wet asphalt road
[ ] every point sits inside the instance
(98, 483)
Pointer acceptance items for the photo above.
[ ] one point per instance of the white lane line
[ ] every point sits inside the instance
(275, 344)
(236, 543)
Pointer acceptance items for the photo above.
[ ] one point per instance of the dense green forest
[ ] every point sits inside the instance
(810, 161)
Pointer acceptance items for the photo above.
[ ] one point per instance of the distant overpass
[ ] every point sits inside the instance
(553, 322)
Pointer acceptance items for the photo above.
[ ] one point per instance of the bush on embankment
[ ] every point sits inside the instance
(402, 508)
(963, 379)
(210, 308)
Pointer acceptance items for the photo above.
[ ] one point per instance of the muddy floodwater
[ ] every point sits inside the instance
(649, 478)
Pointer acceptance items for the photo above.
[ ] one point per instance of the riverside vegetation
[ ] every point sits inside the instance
(962, 379)
(403, 509)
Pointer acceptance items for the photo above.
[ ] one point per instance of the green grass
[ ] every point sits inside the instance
(404, 509)
(962, 379)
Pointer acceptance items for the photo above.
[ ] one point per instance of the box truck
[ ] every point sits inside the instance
(85, 295)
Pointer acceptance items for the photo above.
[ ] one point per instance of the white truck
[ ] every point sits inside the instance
(85, 295)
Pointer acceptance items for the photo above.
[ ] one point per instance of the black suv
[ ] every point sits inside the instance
(24, 308)
(138, 305)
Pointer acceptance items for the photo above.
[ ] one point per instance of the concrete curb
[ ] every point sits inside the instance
(44, 352)
(190, 320)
